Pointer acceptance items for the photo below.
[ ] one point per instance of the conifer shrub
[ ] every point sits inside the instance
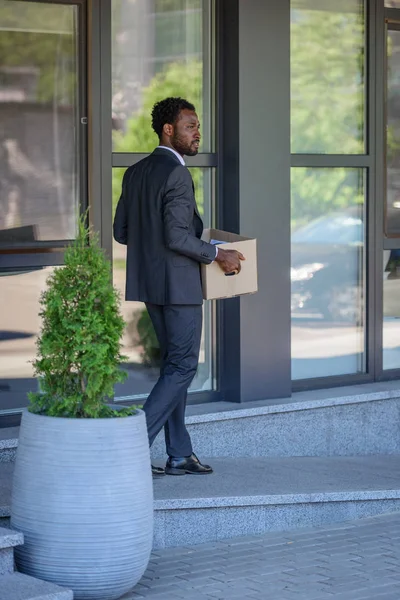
(79, 346)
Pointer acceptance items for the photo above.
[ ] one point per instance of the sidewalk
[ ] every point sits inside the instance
(358, 560)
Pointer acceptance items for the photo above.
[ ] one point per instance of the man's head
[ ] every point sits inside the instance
(175, 122)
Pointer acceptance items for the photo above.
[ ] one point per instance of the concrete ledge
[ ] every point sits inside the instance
(344, 426)
(276, 500)
(287, 406)
(10, 538)
(17, 586)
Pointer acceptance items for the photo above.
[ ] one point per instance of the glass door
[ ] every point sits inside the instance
(42, 169)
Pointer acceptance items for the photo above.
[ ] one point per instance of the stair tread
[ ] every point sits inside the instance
(17, 586)
(10, 538)
(266, 480)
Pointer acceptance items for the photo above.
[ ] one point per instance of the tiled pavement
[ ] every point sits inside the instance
(358, 560)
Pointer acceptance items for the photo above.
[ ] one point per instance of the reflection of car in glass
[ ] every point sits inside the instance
(326, 273)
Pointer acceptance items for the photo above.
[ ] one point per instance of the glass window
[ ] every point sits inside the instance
(391, 309)
(393, 135)
(38, 121)
(327, 77)
(139, 341)
(327, 272)
(392, 3)
(159, 49)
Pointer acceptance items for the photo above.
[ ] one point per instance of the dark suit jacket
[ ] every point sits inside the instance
(157, 218)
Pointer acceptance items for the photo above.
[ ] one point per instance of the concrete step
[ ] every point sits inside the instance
(357, 420)
(348, 421)
(21, 587)
(8, 540)
(8, 443)
(253, 496)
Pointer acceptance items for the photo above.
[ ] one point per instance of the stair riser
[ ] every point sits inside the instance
(6, 561)
(196, 526)
(345, 430)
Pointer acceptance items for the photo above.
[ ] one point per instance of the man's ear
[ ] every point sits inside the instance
(168, 129)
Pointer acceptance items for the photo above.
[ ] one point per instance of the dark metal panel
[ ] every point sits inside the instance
(228, 209)
(331, 160)
(127, 159)
(390, 14)
(26, 261)
(264, 130)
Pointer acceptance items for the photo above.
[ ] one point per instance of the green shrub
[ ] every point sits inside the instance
(79, 347)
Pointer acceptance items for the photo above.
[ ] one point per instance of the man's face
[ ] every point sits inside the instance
(186, 133)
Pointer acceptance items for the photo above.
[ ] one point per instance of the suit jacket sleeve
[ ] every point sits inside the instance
(178, 213)
(121, 216)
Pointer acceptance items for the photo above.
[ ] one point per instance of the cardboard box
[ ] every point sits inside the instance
(218, 285)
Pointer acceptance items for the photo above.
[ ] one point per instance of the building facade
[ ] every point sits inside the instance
(299, 102)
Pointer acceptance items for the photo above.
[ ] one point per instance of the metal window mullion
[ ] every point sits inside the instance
(380, 184)
(126, 159)
(370, 254)
(363, 161)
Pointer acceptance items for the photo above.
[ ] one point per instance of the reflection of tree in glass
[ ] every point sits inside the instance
(327, 80)
(327, 105)
(317, 192)
(178, 79)
(39, 38)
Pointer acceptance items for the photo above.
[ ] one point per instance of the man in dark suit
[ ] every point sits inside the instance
(158, 220)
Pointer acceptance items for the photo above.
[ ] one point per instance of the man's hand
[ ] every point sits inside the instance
(229, 260)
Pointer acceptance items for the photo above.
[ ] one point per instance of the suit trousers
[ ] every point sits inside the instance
(178, 330)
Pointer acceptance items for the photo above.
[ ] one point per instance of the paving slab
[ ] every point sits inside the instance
(175, 575)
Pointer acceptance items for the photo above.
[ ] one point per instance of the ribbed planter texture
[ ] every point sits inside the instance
(83, 498)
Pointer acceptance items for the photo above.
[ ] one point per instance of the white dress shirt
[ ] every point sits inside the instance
(175, 152)
(184, 164)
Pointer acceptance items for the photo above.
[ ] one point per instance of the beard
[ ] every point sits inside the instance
(183, 147)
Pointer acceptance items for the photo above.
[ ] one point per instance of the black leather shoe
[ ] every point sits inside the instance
(157, 471)
(186, 464)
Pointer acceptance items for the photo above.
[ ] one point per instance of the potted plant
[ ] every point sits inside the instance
(82, 489)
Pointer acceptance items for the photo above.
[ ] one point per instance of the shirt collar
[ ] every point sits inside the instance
(175, 152)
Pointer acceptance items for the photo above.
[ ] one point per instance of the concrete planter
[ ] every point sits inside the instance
(83, 498)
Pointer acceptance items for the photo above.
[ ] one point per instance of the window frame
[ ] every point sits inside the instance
(108, 159)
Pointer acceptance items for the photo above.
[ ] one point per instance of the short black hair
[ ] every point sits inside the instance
(167, 111)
